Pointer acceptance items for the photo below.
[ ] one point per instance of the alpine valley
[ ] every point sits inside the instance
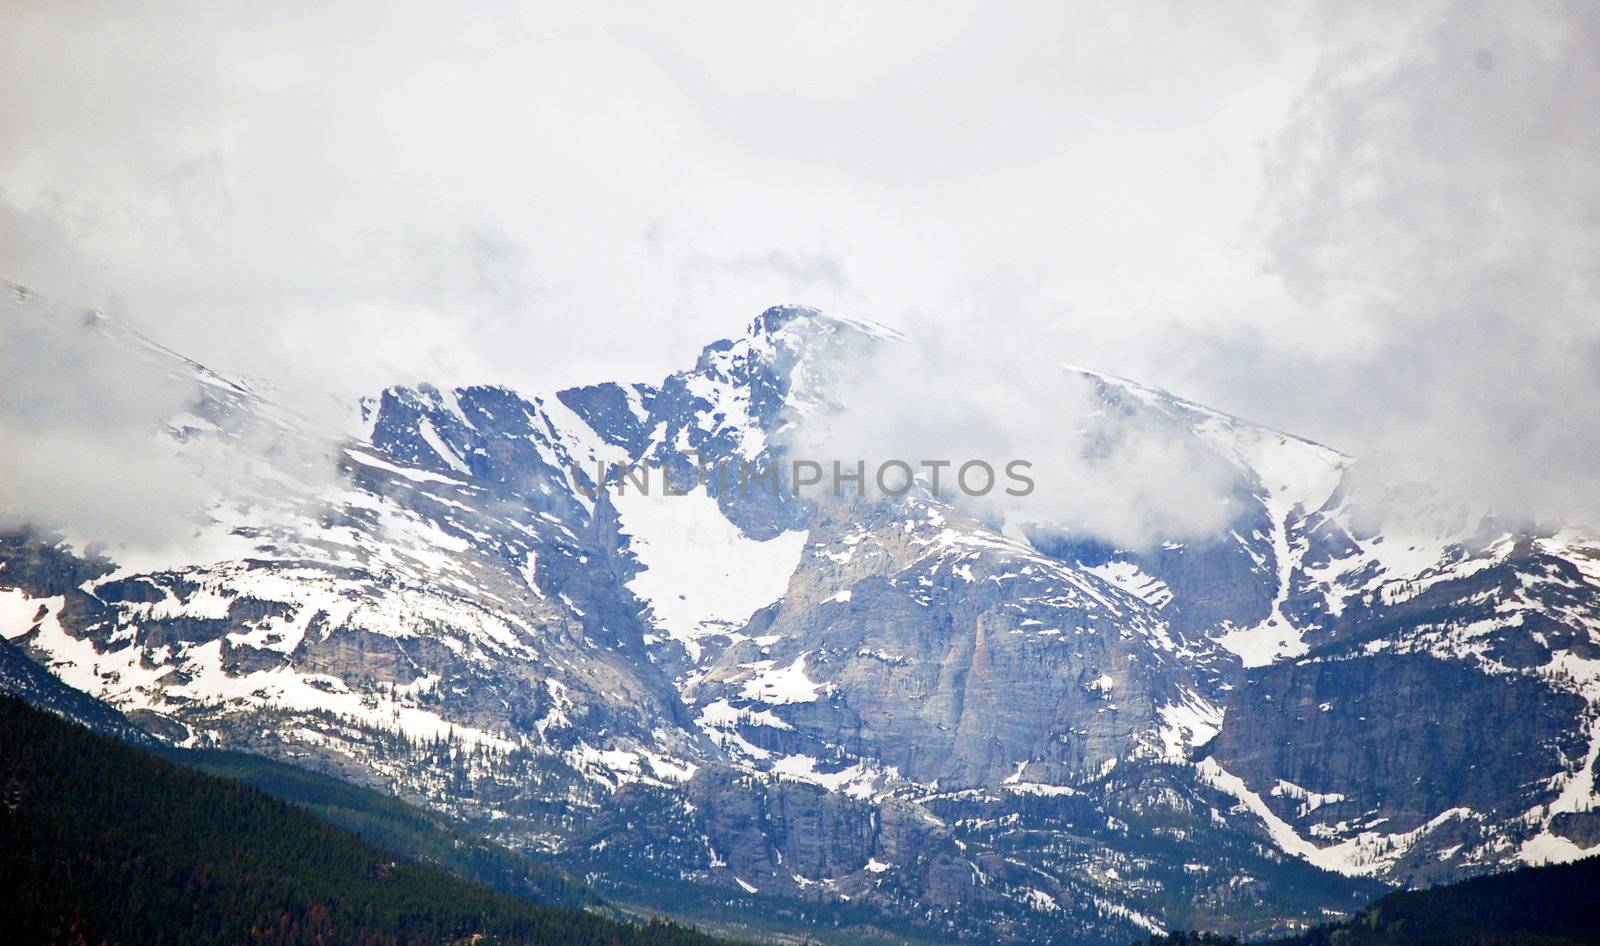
(861, 718)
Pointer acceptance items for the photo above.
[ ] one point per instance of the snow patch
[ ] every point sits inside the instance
(701, 575)
(436, 443)
(1367, 854)
(776, 687)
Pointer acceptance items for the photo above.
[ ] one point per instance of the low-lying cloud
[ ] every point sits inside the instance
(79, 424)
(107, 441)
(1435, 218)
(1123, 476)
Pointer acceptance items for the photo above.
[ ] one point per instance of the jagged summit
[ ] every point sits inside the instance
(778, 316)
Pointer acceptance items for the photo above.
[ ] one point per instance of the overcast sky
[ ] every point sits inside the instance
(1375, 225)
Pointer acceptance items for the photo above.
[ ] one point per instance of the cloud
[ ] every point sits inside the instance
(1434, 215)
(96, 451)
(253, 189)
(957, 397)
(1373, 225)
(78, 422)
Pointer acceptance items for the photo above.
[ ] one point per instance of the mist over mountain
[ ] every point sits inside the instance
(1373, 228)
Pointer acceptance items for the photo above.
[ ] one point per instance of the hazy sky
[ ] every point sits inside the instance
(1375, 225)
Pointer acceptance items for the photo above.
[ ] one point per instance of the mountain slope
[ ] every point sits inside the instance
(27, 681)
(103, 842)
(381, 819)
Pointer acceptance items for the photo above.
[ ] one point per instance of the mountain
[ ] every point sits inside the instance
(104, 842)
(867, 715)
(1554, 905)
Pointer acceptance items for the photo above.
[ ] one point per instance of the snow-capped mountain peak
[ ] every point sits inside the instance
(788, 695)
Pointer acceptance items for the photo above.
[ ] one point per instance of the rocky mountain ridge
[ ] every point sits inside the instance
(876, 712)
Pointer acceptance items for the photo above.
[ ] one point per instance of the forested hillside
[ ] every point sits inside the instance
(395, 826)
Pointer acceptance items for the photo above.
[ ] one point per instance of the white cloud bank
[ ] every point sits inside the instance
(1435, 217)
(956, 397)
(1372, 225)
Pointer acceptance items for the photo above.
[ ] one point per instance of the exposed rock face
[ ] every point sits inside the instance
(1401, 737)
(952, 657)
(1392, 741)
(36, 565)
(868, 713)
